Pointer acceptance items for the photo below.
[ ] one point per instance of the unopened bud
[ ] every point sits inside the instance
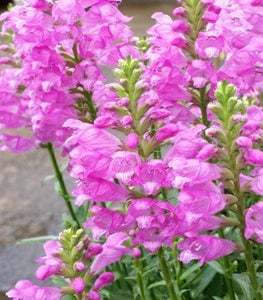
(132, 141)
(103, 280)
(79, 266)
(93, 250)
(136, 252)
(78, 285)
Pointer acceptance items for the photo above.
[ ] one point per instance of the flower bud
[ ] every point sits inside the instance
(166, 132)
(104, 121)
(227, 174)
(79, 266)
(132, 141)
(93, 250)
(136, 252)
(92, 295)
(78, 285)
(244, 142)
(126, 121)
(179, 12)
(103, 280)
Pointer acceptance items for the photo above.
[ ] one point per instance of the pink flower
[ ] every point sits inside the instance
(187, 143)
(99, 190)
(26, 290)
(123, 165)
(52, 264)
(166, 132)
(191, 172)
(113, 250)
(205, 248)
(209, 46)
(106, 221)
(254, 157)
(205, 198)
(257, 184)
(254, 225)
(201, 72)
(151, 176)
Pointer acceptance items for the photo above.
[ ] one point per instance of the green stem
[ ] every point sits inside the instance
(63, 190)
(91, 108)
(177, 267)
(139, 278)
(166, 275)
(227, 272)
(249, 259)
(203, 107)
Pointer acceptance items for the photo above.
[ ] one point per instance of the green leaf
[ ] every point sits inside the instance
(242, 283)
(203, 282)
(58, 281)
(190, 271)
(216, 266)
(81, 213)
(68, 297)
(37, 239)
(159, 283)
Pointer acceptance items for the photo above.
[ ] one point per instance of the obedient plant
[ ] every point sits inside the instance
(166, 159)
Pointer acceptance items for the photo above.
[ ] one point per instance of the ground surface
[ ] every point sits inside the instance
(28, 205)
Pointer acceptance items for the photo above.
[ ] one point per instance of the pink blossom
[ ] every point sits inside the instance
(166, 132)
(123, 165)
(244, 142)
(99, 190)
(151, 176)
(113, 250)
(191, 172)
(205, 198)
(106, 221)
(187, 143)
(209, 46)
(254, 226)
(254, 157)
(257, 184)
(26, 290)
(201, 72)
(205, 248)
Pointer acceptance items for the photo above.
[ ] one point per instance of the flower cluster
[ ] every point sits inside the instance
(77, 263)
(168, 156)
(54, 53)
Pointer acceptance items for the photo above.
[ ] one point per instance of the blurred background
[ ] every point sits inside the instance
(28, 204)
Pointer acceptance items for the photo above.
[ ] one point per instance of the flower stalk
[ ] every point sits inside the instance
(62, 186)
